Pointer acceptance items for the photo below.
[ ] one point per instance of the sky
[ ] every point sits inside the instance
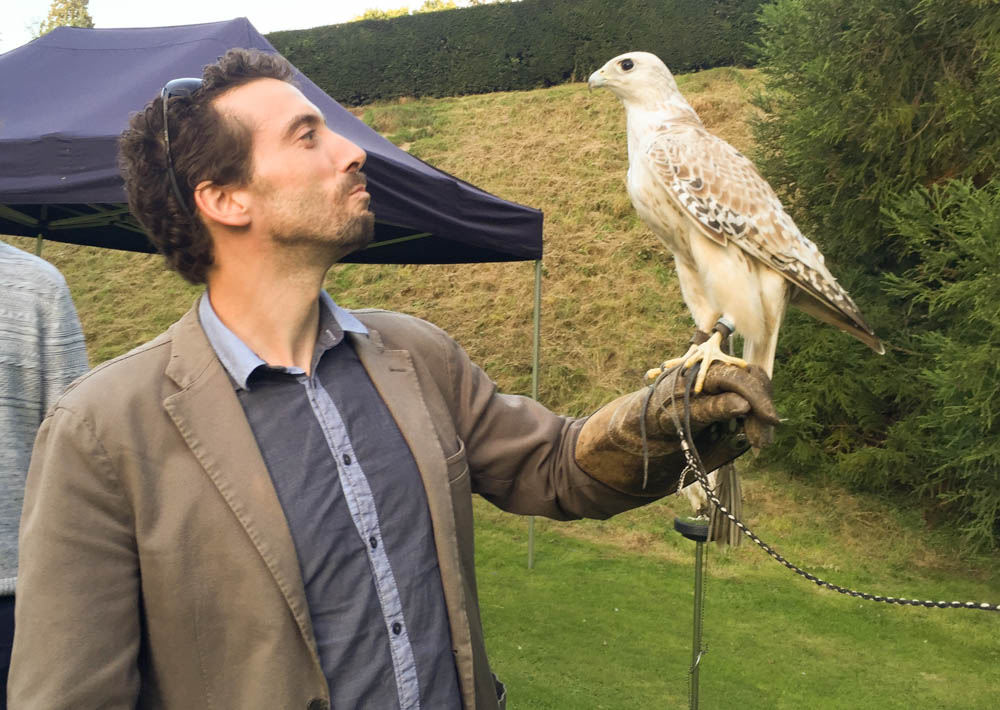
(16, 16)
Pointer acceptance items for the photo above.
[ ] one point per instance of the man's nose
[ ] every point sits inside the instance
(350, 156)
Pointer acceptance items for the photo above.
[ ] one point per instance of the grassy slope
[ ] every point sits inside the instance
(611, 308)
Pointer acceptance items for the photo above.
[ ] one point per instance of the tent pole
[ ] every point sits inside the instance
(535, 357)
(38, 239)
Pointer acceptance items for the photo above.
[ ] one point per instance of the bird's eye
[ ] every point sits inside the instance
(626, 64)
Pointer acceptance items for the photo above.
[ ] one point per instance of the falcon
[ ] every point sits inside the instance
(740, 258)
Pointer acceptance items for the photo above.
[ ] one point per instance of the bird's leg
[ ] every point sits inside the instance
(699, 337)
(711, 351)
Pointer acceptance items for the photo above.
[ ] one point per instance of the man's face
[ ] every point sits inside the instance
(307, 186)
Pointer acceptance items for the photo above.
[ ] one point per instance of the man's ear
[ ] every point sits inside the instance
(225, 204)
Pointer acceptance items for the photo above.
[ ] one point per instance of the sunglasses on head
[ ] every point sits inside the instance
(172, 89)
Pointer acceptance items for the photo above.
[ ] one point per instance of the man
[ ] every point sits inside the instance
(41, 352)
(269, 505)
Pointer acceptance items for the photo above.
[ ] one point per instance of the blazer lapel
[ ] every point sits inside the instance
(394, 377)
(209, 417)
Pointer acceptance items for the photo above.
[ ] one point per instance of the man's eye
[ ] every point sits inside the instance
(309, 135)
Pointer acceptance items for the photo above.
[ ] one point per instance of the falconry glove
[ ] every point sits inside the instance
(734, 405)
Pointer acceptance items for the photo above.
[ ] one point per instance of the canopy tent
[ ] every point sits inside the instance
(67, 97)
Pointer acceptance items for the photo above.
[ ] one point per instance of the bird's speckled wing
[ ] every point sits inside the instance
(722, 192)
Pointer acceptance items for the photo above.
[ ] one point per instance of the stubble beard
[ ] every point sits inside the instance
(357, 232)
(326, 226)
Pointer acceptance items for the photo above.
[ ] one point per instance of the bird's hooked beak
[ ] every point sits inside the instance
(596, 80)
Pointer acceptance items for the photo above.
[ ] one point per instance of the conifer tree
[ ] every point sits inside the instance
(879, 127)
(952, 436)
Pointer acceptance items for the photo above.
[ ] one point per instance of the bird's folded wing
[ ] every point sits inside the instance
(724, 195)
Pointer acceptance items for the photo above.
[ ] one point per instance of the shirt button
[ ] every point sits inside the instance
(373, 542)
(397, 628)
(347, 459)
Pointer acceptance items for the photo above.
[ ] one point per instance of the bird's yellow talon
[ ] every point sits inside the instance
(706, 353)
(699, 383)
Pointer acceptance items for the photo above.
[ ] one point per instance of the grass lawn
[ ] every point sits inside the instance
(598, 625)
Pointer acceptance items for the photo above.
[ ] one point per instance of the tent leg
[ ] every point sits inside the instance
(531, 542)
(44, 223)
(535, 357)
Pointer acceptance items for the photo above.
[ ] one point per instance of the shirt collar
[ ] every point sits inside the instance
(240, 361)
(344, 318)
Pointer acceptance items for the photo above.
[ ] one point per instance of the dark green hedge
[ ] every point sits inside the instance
(880, 122)
(511, 46)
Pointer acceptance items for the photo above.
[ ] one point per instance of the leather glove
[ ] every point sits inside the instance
(733, 411)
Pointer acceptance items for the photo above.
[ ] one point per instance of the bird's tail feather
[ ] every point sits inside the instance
(730, 493)
(727, 480)
(852, 326)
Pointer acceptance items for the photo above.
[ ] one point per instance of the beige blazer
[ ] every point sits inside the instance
(156, 565)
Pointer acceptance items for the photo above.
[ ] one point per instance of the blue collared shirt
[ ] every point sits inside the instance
(240, 361)
(357, 512)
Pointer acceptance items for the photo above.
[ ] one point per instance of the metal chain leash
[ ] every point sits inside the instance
(695, 465)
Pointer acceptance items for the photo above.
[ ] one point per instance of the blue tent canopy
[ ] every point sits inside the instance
(67, 96)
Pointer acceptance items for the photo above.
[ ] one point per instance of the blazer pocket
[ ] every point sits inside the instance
(457, 464)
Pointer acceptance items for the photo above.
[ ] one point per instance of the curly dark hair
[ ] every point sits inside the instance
(204, 144)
